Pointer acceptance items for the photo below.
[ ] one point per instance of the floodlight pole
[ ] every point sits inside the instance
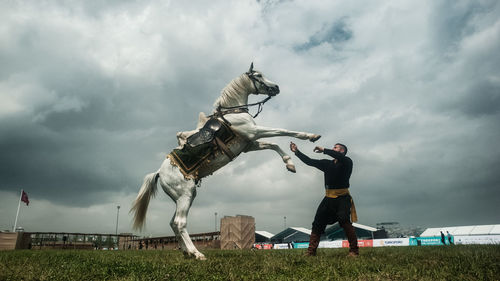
(215, 221)
(117, 214)
(284, 222)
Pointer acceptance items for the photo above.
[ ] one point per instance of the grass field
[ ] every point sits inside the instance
(394, 263)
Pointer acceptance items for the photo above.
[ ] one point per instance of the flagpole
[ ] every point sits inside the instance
(18, 207)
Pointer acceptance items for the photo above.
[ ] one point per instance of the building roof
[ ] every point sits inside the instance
(264, 233)
(302, 229)
(365, 227)
(292, 234)
(489, 229)
(335, 231)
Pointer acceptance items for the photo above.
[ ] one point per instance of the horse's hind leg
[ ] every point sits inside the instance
(182, 192)
(179, 222)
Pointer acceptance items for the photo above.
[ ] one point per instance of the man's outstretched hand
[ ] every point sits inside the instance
(318, 149)
(293, 147)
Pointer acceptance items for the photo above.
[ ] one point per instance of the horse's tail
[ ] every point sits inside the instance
(140, 206)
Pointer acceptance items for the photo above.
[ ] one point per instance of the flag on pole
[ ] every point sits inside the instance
(24, 198)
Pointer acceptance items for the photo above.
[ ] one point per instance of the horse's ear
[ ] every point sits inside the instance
(251, 68)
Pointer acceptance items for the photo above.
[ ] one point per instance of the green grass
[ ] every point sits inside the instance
(392, 263)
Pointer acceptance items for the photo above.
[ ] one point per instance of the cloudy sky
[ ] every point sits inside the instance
(92, 94)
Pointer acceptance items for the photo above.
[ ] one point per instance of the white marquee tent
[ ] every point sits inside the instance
(490, 229)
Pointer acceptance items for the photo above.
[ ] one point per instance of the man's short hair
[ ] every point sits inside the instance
(344, 146)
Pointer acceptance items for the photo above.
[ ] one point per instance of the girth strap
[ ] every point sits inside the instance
(225, 149)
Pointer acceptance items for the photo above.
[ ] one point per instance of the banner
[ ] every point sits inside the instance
(267, 246)
(303, 245)
(281, 246)
(388, 242)
(330, 244)
(391, 242)
(361, 243)
(477, 239)
(426, 241)
(263, 246)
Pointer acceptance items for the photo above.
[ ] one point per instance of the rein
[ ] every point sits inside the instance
(244, 107)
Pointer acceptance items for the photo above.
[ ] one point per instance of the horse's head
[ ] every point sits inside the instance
(261, 85)
(235, 94)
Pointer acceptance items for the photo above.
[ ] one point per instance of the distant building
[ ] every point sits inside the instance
(237, 232)
(392, 229)
(396, 230)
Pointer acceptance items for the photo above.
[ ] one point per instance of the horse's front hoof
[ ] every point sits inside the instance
(291, 168)
(200, 257)
(315, 138)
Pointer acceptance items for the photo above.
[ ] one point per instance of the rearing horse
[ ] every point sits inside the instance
(231, 109)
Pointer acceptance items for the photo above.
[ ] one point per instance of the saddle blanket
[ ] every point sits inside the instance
(189, 159)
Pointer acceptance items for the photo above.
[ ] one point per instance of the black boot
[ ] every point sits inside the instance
(313, 243)
(351, 237)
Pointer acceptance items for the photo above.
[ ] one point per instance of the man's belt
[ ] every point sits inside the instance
(334, 193)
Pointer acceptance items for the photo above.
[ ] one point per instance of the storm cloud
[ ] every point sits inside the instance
(92, 95)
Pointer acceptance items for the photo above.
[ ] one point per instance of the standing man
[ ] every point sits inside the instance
(337, 205)
(449, 237)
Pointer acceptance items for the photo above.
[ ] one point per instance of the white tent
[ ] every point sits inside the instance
(490, 229)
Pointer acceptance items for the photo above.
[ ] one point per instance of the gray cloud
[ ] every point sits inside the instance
(334, 34)
(481, 99)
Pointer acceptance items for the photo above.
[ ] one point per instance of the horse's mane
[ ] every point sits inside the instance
(235, 93)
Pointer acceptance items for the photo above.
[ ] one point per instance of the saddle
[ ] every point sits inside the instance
(205, 134)
(202, 146)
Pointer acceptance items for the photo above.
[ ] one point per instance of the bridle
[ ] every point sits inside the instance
(244, 107)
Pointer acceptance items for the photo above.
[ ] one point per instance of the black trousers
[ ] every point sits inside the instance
(330, 211)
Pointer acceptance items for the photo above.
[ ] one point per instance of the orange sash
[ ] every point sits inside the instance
(334, 193)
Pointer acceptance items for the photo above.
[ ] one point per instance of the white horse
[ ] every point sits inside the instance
(232, 107)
